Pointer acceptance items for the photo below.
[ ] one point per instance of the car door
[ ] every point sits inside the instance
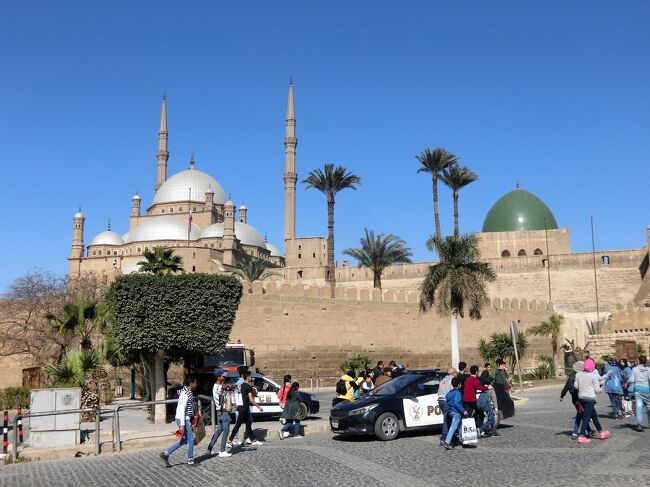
(267, 397)
(420, 403)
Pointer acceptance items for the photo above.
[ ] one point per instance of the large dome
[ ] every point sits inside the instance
(275, 252)
(177, 188)
(519, 210)
(107, 238)
(164, 228)
(245, 233)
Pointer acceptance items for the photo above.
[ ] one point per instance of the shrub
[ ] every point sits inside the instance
(545, 370)
(14, 397)
(357, 363)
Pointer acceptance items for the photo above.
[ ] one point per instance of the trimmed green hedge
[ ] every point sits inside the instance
(176, 313)
(14, 397)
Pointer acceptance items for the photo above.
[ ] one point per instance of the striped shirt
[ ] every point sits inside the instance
(185, 406)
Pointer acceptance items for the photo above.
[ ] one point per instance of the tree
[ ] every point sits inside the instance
(330, 181)
(457, 281)
(500, 346)
(250, 269)
(456, 178)
(80, 318)
(378, 252)
(550, 328)
(434, 162)
(158, 315)
(161, 261)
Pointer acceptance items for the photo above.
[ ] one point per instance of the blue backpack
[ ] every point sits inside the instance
(483, 403)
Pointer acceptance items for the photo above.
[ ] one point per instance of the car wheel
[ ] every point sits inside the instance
(387, 427)
(303, 411)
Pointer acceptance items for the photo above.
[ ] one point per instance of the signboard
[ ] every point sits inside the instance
(626, 349)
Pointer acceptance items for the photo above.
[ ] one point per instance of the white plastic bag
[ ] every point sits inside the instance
(468, 431)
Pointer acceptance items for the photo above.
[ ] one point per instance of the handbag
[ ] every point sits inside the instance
(198, 428)
(468, 431)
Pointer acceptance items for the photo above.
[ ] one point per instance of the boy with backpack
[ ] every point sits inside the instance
(485, 404)
(224, 401)
(456, 410)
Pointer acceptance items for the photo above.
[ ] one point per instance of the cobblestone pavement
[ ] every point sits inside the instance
(535, 448)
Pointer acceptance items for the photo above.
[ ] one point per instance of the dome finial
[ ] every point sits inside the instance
(266, 237)
(517, 184)
(192, 161)
(109, 225)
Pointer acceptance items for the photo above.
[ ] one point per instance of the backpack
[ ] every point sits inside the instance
(483, 403)
(227, 400)
(341, 388)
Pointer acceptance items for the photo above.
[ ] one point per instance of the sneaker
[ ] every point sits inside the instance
(484, 434)
(281, 434)
(286, 434)
(496, 434)
(574, 436)
(583, 439)
(256, 443)
(248, 441)
(235, 442)
(442, 443)
(603, 434)
(639, 428)
(164, 456)
(298, 436)
(229, 444)
(190, 461)
(449, 447)
(224, 454)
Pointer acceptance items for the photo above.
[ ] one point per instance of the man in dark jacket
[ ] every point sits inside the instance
(575, 400)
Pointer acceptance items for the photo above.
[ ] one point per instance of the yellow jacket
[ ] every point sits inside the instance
(349, 390)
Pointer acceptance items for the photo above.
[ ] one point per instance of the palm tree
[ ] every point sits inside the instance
(456, 178)
(458, 280)
(250, 269)
(378, 252)
(161, 261)
(330, 181)
(434, 162)
(552, 327)
(81, 317)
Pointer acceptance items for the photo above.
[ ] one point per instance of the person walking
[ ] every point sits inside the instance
(575, 400)
(456, 411)
(470, 390)
(614, 386)
(244, 411)
(443, 389)
(588, 385)
(501, 382)
(284, 390)
(640, 385)
(486, 375)
(291, 413)
(185, 410)
(223, 406)
(485, 405)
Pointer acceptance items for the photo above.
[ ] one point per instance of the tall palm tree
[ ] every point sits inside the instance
(434, 162)
(378, 252)
(330, 181)
(456, 178)
(250, 269)
(550, 328)
(82, 318)
(457, 281)
(161, 261)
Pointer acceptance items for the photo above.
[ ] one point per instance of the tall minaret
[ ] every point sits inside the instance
(77, 250)
(163, 154)
(290, 176)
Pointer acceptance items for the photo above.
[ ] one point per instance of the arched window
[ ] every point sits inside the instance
(521, 253)
(538, 252)
(505, 253)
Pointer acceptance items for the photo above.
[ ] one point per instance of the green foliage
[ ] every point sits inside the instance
(546, 369)
(81, 318)
(595, 327)
(331, 180)
(378, 252)
(250, 269)
(641, 350)
(161, 261)
(75, 367)
(176, 313)
(459, 279)
(14, 397)
(456, 178)
(357, 363)
(500, 346)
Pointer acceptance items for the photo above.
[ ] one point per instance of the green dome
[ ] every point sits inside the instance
(518, 210)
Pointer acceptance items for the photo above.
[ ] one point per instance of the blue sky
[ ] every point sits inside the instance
(551, 94)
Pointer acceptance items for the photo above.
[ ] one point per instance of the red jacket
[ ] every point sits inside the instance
(471, 386)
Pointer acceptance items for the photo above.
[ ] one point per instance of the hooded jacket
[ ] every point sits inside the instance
(587, 384)
(614, 384)
(455, 402)
(640, 378)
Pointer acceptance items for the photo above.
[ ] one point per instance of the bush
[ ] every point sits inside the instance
(545, 370)
(357, 363)
(14, 397)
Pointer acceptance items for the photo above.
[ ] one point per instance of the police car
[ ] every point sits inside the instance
(408, 402)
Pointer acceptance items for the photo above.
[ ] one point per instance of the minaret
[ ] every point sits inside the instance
(290, 176)
(77, 250)
(163, 154)
(229, 244)
(242, 213)
(135, 206)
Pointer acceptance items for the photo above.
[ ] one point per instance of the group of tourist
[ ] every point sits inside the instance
(627, 386)
(352, 385)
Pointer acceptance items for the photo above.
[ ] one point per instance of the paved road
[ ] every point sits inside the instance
(535, 448)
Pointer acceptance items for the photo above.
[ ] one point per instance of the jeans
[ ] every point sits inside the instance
(614, 403)
(223, 426)
(443, 408)
(296, 427)
(187, 438)
(590, 414)
(642, 403)
(490, 422)
(244, 417)
(455, 421)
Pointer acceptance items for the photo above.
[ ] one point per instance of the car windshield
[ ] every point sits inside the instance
(230, 356)
(393, 386)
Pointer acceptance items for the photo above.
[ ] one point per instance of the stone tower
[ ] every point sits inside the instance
(163, 154)
(229, 239)
(290, 176)
(77, 250)
(242, 213)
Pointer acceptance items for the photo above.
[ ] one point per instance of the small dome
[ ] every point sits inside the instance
(243, 207)
(519, 210)
(177, 188)
(275, 252)
(78, 215)
(164, 228)
(245, 233)
(229, 203)
(107, 238)
(136, 196)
